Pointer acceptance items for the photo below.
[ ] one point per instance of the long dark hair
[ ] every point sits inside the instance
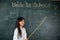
(18, 25)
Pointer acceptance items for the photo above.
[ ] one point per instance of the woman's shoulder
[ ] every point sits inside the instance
(15, 30)
(24, 28)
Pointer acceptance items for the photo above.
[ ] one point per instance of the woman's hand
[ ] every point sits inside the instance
(26, 39)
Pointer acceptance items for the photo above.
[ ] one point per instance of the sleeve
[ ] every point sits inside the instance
(25, 36)
(15, 34)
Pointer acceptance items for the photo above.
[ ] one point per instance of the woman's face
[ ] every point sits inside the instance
(22, 23)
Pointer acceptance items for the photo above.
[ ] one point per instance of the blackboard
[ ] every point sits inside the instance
(49, 29)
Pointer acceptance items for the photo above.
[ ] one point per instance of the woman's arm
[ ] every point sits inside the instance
(15, 35)
(25, 35)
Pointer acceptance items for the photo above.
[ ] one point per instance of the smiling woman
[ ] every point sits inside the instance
(20, 31)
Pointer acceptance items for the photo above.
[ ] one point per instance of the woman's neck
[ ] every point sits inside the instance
(21, 27)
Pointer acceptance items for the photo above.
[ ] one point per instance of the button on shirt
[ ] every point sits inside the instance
(23, 35)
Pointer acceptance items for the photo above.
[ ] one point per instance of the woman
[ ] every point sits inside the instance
(20, 31)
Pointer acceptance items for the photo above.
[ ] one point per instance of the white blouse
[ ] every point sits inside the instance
(23, 35)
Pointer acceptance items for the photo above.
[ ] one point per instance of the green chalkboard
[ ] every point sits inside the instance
(37, 27)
